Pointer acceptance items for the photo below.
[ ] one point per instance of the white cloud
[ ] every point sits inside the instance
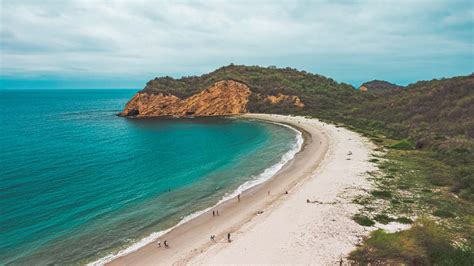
(110, 38)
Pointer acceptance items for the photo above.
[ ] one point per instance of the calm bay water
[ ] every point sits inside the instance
(78, 183)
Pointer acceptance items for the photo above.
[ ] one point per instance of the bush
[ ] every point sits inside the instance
(443, 214)
(382, 194)
(426, 243)
(383, 219)
(363, 220)
(377, 140)
(383, 247)
(404, 220)
(402, 145)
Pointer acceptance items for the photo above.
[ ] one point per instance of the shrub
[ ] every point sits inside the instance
(426, 243)
(402, 145)
(383, 219)
(443, 214)
(382, 194)
(385, 247)
(403, 186)
(377, 140)
(404, 220)
(363, 220)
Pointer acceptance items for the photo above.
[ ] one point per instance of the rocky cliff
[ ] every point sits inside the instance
(226, 97)
(280, 98)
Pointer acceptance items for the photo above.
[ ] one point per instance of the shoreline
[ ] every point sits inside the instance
(268, 173)
(193, 235)
(295, 231)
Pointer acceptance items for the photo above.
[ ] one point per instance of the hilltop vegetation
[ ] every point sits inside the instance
(435, 115)
(380, 86)
(319, 94)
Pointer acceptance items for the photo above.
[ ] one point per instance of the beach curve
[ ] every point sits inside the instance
(190, 241)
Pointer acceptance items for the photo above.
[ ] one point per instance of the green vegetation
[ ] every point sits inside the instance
(363, 220)
(425, 134)
(383, 218)
(402, 145)
(426, 243)
(320, 95)
(382, 194)
(380, 86)
(405, 188)
(404, 220)
(443, 214)
(434, 116)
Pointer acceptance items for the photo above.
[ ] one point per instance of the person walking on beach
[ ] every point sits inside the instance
(217, 212)
(213, 213)
(166, 244)
(159, 244)
(228, 237)
(238, 198)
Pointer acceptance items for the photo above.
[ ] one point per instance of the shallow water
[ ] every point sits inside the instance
(78, 182)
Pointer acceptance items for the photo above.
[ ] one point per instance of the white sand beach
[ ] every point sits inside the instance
(270, 225)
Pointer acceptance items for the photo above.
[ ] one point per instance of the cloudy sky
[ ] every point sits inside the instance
(90, 43)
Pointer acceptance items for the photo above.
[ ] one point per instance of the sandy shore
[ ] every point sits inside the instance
(289, 230)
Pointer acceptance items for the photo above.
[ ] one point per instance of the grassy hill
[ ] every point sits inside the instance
(321, 95)
(442, 107)
(435, 115)
(380, 86)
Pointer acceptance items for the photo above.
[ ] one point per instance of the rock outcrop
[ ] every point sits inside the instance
(223, 98)
(227, 97)
(279, 98)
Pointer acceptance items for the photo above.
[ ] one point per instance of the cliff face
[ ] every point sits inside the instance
(279, 98)
(225, 97)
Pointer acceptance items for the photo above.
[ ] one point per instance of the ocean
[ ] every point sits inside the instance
(79, 184)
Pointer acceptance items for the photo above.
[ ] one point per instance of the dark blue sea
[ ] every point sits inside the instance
(78, 183)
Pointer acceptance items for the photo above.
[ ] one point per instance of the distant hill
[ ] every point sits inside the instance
(444, 106)
(379, 86)
(437, 115)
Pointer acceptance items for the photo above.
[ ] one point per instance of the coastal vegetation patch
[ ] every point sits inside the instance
(406, 191)
(425, 243)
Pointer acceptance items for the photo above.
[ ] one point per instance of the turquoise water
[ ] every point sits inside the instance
(78, 182)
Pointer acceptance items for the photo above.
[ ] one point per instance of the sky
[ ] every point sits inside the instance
(123, 44)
